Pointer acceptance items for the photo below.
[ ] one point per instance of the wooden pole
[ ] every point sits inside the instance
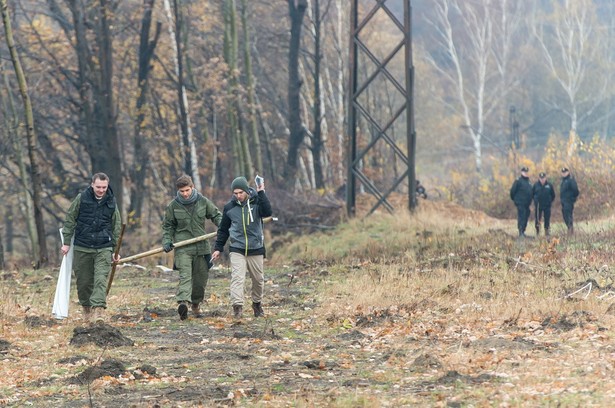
(178, 244)
(117, 251)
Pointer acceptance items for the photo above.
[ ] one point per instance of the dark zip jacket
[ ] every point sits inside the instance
(543, 194)
(521, 192)
(568, 190)
(243, 224)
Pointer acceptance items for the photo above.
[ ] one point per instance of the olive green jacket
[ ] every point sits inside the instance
(185, 222)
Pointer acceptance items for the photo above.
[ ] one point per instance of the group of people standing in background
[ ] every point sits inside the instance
(542, 194)
(93, 221)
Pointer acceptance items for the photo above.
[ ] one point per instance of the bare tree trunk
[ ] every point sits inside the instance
(112, 160)
(188, 147)
(250, 83)
(570, 45)
(139, 169)
(317, 108)
(10, 127)
(296, 9)
(230, 56)
(267, 131)
(241, 149)
(41, 256)
(95, 85)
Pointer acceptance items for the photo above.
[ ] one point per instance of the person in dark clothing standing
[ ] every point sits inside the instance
(521, 194)
(544, 194)
(242, 224)
(568, 193)
(94, 221)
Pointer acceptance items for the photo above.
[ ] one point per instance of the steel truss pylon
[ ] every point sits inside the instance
(383, 126)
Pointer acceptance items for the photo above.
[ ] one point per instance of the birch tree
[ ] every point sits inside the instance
(570, 47)
(477, 38)
(188, 147)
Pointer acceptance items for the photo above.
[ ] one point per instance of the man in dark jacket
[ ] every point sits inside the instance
(521, 194)
(568, 193)
(544, 194)
(184, 218)
(94, 221)
(242, 223)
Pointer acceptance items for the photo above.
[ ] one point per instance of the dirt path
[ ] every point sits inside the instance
(423, 353)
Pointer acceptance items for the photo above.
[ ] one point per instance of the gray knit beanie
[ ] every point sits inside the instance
(241, 183)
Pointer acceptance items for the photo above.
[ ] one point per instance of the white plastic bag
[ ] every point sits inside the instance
(62, 296)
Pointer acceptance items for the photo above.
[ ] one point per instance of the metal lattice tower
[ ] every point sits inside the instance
(380, 64)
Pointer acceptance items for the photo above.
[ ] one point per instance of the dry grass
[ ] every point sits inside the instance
(385, 236)
(444, 307)
(536, 313)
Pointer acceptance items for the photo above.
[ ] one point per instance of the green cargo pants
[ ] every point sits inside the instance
(92, 269)
(193, 276)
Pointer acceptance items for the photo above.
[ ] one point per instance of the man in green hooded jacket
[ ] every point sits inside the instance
(184, 218)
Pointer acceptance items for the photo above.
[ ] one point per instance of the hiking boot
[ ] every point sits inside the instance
(547, 232)
(86, 313)
(237, 311)
(258, 309)
(98, 314)
(182, 311)
(196, 311)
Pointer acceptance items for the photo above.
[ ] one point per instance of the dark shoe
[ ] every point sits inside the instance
(182, 310)
(237, 311)
(547, 232)
(258, 310)
(196, 311)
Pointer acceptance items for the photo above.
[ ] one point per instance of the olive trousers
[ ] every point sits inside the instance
(193, 276)
(92, 267)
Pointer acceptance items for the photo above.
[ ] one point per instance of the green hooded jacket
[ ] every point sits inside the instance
(182, 222)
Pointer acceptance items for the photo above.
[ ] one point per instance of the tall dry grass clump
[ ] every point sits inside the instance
(382, 237)
(461, 267)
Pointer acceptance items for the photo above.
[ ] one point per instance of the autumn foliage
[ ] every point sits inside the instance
(590, 162)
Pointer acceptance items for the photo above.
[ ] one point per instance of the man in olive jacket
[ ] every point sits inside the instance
(94, 221)
(521, 194)
(242, 222)
(184, 218)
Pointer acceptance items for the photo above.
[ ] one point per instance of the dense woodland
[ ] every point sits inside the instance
(147, 90)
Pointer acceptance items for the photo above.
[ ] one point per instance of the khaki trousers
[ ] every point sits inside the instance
(241, 264)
